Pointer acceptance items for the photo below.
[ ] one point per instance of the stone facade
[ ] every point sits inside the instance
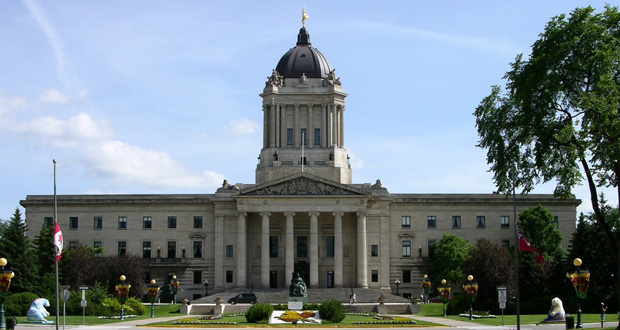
(303, 214)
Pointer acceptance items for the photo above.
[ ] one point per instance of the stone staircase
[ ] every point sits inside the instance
(280, 296)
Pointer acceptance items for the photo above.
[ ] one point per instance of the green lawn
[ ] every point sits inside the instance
(160, 311)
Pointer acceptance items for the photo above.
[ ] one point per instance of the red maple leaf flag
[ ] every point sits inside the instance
(524, 245)
(58, 242)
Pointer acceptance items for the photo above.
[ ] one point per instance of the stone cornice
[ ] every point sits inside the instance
(34, 200)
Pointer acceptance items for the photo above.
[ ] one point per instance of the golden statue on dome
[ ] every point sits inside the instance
(304, 16)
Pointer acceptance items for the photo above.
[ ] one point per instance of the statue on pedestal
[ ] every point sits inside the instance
(298, 287)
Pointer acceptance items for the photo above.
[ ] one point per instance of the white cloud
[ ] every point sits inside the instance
(54, 96)
(243, 127)
(79, 127)
(129, 165)
(9, 103)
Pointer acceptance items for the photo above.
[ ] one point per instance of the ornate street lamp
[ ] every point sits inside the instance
(206, 284)
(397, 282)
(444, 292)
(174, 285)
(151, 291)
(5, 282)
(426, 285)
(580, 280)
(471, 291)
(122, 291)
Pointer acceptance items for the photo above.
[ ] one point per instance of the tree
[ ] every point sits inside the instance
(16, 247)
(537, 225)
(449, 255)
(45, 252)
(560, 115)
(79, 265)
(492, 266)
(112, 267)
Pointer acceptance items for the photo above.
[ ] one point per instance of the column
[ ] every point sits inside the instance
(218, 251)
(310, 129)
(277, 129)
(362, 260)
(289, 254)
(241, 250)
(384, 253)
(314, 249)
(334, 130)
(272, 124)
(264, 251)
(338, 249)
(324, 125)
(342, 126)
(296, 130)
(330, 126)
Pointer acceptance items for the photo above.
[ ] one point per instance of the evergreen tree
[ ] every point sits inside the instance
(46, 254)
(17, 248)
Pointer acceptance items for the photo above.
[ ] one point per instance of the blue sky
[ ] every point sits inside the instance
(162, 96)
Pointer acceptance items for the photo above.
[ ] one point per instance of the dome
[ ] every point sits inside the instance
(303, 59)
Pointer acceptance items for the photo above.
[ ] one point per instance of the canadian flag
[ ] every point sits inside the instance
(58, 242)
(524, 245)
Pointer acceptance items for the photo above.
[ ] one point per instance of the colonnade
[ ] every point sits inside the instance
(289, 237)
(331, 124)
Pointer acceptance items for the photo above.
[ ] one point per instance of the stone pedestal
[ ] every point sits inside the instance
(297, 303)
(380, 309)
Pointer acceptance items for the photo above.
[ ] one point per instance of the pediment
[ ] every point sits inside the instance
(301, 184)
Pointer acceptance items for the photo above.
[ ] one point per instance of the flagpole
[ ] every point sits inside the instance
(514, 210)
(55, 254)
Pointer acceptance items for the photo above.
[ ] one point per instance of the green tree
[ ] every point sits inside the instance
(79, 265)
(110, 268)
(16, 247)
(449, 255)
(560, 115)
(45, 252)
(492, 266)
(537, 225)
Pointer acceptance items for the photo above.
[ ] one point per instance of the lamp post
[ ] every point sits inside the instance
(444, 292)
(397, 282)
(5, 282)
(206, 284)
(122, 291)
(580, 279)
(151, 291)
(426, 285)
(471, 291)
(174, 285)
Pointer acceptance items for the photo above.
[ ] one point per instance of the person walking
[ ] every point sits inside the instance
(603, 310)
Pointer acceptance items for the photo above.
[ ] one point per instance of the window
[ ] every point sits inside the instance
(197, 278)
(431, 221)
(73, 244)
(429, 244)
(329, 246)
(302, 246)
(73, 223)
(48, 222)
(229, 276)
(172, 222)
(122, 222)
(303, 137)
(97, 222)
(122, 248)
(506, 243)
(172, 249)
(504, 221)
(98, 247)
(197, 222)
(146, 249)
(273, 246)
(374, 250)
(405, 221)
(198, 249)
(289, 136)
(317, 136)
(147, 222)
(406, 276)
(481, 221)
(374, 275)
(229, 251)
(456, 221)
(406, 247)
(556, 220)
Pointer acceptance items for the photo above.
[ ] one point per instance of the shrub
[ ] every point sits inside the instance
(136, 306)
(457, 305)
(332, 310)
(258, 312)
(17, 304)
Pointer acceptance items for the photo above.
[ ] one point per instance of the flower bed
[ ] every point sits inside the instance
(283, 317)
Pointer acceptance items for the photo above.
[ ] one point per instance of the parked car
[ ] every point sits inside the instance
(247, 297)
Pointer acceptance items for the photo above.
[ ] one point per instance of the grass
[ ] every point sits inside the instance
(160, 311)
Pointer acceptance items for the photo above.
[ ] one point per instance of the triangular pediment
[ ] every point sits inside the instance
(301, 184)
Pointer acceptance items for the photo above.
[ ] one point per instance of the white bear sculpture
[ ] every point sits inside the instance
(556, 313)
(37, 312)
